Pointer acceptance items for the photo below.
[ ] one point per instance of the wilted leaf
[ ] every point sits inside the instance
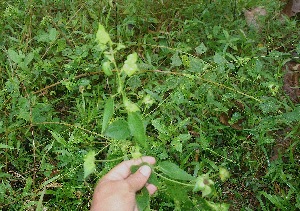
(291, 81)
(130, 66)
(118, 130)
(224, 174)
(89, 165)
(291, 8)
(102, 37)
(203, 184)
(252, 17)
(130, 106)
(173, 171)
(137, 129)
(108, 113)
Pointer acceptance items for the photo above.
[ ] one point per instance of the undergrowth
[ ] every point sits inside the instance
(88, 84)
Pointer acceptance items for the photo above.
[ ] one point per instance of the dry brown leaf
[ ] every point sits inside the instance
(252, 17)
(291, 8)
(291, 80)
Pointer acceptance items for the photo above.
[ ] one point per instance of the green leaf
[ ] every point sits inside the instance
(201, 48)
(52, 34)
(102, 37)
(14, 56)
(203, 184)
(107, 68)
(58, 137)
(89, 165)
(143, 199)
(174, 172)
(108, 113)
(130, 66)
(118, 130)
(176, 60)
(224, 174)
(137, 129)
(4, 146)
(130, 106)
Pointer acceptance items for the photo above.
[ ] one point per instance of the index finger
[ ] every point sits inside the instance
(122, 170)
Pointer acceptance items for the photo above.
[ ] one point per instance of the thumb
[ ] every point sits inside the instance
(139, 179)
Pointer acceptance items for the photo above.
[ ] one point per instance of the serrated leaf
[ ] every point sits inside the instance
(136, 127)
(102, 37)
(174, 172)
(143, 199)
(159, 126)
(58, 137)
(176, 60)
(108, 113)
(201, 48)
(130, 66)
(118, 130)
(89, 165)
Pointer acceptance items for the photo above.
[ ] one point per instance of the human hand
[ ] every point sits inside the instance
(116, 191)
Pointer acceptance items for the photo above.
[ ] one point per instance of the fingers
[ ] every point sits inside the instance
(139, 179)
(151, 188)
(122, 171)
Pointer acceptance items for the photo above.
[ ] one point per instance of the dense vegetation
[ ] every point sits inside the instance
(80, 79)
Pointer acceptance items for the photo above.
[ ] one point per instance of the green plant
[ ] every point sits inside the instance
(185, 81)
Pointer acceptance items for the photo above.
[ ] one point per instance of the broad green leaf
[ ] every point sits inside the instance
(176, 60)
(174, 172)
(130, 66)
(108, 113)
(89, 165)
(130, 106)
(137, 128)
(102, 37)
(28, 58)
(143, 199)
(118, 130)
(14, 56)
(107, 68)
(52, 34)
(201, 48)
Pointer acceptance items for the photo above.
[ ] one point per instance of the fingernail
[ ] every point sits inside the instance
(145, 170)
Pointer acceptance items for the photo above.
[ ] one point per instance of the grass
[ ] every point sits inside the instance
(209, 90)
